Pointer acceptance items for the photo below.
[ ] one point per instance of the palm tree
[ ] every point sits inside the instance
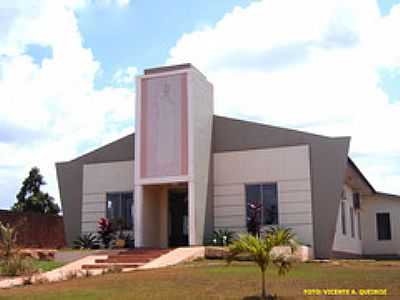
(260, 251)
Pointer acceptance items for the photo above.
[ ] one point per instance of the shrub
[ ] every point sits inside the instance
(129, 240)
(222, 237)
(12, 263)
(8, 241)
(105, 231)
(254, 218)
(16, 265)
(87, 241)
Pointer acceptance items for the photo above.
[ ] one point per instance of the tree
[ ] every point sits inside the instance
(31, 199)
(260, 251)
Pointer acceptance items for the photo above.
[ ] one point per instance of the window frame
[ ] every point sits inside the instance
(359, 225)
(389, 233)
(260, 185)
(343, 217)
(120, 193)
(352, 227)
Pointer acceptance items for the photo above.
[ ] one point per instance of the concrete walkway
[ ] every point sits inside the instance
(74, 269)
(174, 257)
(69, 271)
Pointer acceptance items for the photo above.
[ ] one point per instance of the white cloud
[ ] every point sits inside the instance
(53, 109)
(312, 65)
(125, 76)
(78, 4)
(123, 2)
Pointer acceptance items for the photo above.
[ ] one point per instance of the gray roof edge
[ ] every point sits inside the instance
(95, 150)
(387, 195)
(357, 169)
(278, 127)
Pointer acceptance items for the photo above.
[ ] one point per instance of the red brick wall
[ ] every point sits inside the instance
(36, 230)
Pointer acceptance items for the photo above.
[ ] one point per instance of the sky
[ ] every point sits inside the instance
(67, 70)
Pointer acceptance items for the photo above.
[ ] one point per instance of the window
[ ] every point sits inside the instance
(119, 206)
(359, 224)
(343, 196)
(356, 200)
(266, 194)
(383, 226)
(352, 222)
(343, 216)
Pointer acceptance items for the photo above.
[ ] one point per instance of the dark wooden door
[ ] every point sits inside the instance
(178, 218)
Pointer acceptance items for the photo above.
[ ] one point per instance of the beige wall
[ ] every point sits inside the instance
(289, 167)
(98, 180)
(380, 204)
(347, 243)
(200, 129)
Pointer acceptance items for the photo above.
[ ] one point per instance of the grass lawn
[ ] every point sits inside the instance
(46, 265)
(215, 280)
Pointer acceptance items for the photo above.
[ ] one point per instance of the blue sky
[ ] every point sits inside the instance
(67, 73)
(143, 33)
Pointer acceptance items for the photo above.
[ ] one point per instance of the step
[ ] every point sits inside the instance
(123, 260)
(133, 252)
(138, 255)
(113, 265)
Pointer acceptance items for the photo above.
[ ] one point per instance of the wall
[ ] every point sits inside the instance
(201, 110)
(289, 167)
(328, 175)
(36, 230)
(346, 243)
(163, 126)
(70, 180)
(99, 179)
(380, 204)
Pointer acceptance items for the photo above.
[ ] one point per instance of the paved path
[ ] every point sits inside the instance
(74, 269)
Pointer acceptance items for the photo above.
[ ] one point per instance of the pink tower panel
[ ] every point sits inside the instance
(164, 126)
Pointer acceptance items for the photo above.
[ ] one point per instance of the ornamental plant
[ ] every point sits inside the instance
(8, 241)
(12, 263)
(105, 231)
(254, 218)
(260, 251)
(87, 241)
(222, 237)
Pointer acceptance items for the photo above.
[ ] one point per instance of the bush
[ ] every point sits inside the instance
(87, 241)
(105, 231)
(12, 263)
(15, 266)
(222, 237)
(8, 241)
(129, 240)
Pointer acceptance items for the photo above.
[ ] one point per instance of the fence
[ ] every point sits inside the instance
(36, 230)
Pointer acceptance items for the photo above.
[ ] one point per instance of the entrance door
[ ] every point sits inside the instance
(178, 218)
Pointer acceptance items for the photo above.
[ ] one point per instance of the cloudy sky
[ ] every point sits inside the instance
(67, 71)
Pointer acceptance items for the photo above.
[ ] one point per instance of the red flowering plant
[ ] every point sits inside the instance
(254, 218)
(105, 231)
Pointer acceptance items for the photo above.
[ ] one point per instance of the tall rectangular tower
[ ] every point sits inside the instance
(174, 113)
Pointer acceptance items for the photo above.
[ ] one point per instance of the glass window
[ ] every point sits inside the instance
(266, 195)
(359, 224)
(352, 221)
(383, 226)
(343, 216)
(119, 206)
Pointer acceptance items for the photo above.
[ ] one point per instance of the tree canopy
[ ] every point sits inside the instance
(31, 199)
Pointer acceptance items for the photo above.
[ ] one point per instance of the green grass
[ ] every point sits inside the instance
(215, 280)
(46, 265)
